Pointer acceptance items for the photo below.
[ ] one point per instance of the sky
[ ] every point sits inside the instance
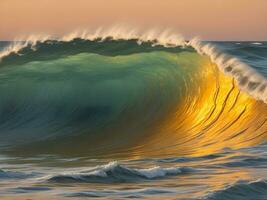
(209, 19)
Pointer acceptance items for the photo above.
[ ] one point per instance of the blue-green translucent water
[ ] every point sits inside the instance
(105, 120)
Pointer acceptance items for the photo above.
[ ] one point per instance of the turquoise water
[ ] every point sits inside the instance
(117, 120)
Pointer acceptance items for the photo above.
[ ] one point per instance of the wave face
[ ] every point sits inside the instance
(129, 98)
(250, 190)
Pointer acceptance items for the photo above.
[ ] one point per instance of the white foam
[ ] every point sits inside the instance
(22, 42)
(162, 37)
(103, 171)
(246, 77)
(157, 171)
(256, 43)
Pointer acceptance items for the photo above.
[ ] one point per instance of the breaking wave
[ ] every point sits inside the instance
(127, 94)
(114, 172)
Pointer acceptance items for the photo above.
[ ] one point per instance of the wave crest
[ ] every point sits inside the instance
(114, 172)
(247, 78)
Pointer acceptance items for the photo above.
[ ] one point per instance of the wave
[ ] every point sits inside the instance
(114, 172)
(126, 193)
(127, 94)
(246, 190)
(4, 175)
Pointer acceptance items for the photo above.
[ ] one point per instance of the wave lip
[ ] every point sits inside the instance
(248, 190)
(114, 172)
(247, 78)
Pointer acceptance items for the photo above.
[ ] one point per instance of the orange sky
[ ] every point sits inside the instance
(210, 19)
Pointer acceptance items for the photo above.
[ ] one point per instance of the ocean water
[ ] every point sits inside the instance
(129, 118)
